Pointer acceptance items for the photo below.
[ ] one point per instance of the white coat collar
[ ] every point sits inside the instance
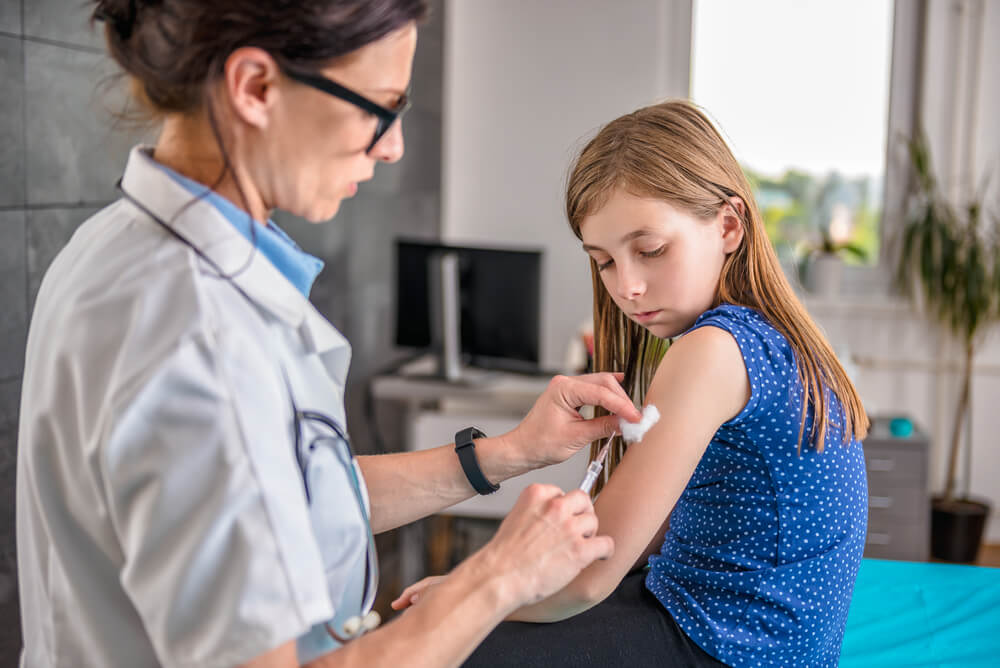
(204, 226)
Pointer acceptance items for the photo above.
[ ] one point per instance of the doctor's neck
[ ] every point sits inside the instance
(188, 146)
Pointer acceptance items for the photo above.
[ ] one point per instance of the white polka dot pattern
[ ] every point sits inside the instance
(759, 563)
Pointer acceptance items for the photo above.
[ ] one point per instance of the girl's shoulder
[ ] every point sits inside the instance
(745, 315)
(767, 356)
(742, 322)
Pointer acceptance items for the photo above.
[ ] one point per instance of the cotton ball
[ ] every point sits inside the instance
(633, 432)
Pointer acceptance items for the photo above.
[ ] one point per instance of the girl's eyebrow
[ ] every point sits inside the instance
(635, 234)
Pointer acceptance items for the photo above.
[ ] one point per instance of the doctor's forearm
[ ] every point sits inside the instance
(443, 629)
(404, 487)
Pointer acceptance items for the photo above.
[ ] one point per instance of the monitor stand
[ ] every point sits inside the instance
(446, 322)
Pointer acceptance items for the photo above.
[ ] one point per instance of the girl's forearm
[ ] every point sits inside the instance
(583, 593)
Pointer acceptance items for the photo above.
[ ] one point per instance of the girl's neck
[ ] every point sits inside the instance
(188, 146)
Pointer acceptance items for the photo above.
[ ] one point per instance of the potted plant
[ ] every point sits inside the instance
(949, 264)
(823, 261)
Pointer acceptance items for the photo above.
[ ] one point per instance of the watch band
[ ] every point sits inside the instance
(466, 450)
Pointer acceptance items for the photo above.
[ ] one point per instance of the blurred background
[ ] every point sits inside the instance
(818, 99)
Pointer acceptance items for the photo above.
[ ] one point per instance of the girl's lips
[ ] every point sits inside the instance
(646, 316)
(352, 189)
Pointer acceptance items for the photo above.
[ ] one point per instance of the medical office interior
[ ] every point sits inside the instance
(817, 99)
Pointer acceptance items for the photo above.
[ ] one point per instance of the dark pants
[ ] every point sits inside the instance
(629, 628)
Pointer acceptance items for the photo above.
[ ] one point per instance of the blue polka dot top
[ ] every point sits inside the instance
(759, 563)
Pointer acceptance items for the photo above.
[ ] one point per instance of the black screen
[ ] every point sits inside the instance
(500, 301)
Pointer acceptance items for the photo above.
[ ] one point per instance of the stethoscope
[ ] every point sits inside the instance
(367, 619)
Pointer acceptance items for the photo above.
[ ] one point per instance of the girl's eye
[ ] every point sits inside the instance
(601, 266)
(653, 253)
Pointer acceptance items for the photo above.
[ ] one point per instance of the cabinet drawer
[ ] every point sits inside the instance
(906, 542)
(888, 464)
(892, 537)
(898, 501)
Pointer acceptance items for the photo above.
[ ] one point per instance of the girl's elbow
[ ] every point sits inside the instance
(588, 592)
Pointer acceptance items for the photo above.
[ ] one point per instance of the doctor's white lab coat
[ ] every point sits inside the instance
(161, 516)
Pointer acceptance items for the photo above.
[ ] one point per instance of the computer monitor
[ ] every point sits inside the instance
(499, 302)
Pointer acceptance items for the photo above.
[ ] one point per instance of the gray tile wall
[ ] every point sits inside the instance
(60, 158)
(10, 16)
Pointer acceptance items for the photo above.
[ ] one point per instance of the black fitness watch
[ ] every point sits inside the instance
(466, 451)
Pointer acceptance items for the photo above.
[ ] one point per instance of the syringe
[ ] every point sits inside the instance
(594, 469)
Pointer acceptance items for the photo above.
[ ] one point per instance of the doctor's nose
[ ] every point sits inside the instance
(390, 146)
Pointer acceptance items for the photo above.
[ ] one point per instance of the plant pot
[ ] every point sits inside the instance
(957, 529)
(823, 274)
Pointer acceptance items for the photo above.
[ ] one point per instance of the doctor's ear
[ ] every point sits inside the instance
(250, 80)
(732, 214)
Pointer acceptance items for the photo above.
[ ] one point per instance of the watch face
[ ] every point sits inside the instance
(466, 436)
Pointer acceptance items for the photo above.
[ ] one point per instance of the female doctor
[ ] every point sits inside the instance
(187, 495)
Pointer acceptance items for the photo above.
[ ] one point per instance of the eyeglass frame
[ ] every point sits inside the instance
(371, 555)
(386, 117)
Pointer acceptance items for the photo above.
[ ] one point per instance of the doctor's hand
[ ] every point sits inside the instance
(554, 430)
(413, 593)
(542, 544)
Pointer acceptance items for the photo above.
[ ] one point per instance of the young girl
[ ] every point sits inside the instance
(747, 502)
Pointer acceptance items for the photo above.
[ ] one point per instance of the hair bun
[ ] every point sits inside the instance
(119, 14)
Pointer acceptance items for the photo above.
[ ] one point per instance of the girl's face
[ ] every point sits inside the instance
(661, 265)
(319, 150)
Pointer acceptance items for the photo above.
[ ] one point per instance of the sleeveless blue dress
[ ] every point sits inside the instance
(759, 563)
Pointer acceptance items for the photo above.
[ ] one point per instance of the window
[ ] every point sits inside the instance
(800, 90)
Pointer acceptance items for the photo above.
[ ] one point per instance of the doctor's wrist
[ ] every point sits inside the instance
(500, 458)
(498, 585)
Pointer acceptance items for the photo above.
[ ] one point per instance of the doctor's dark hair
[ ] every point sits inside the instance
(173, 50)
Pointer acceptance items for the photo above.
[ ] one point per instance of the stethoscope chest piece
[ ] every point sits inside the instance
(356, 626)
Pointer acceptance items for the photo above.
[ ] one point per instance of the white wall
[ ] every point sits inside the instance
(902, 366)
(961, 95)
(905, 365)
(526, 84)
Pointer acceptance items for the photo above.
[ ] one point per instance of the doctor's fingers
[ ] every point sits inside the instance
(589, 550)
(576, 392)
(415, 591)
(582, 526)
(575, 502)
(610, 380)
(596, 429)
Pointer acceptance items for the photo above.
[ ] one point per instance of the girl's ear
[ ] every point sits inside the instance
(732, 215)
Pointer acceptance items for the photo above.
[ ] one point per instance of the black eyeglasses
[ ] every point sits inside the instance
(386, 117)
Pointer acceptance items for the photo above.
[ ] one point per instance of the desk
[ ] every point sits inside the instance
(434, 409)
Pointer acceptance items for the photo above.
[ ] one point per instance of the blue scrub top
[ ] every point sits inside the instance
(299, 267)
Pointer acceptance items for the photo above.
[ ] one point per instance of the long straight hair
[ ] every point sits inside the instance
(671, 151)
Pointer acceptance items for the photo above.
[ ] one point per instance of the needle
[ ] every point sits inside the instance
(595, 467)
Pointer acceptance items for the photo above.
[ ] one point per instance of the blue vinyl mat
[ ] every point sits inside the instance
(923, 615)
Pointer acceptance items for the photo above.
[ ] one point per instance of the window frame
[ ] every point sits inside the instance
(905, 74)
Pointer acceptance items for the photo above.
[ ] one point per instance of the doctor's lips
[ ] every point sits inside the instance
(352, 188)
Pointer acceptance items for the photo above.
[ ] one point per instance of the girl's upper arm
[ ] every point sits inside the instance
(700, 384)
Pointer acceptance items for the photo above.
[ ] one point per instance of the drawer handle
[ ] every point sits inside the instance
(879, 501)
(881, 464)
(878, 538)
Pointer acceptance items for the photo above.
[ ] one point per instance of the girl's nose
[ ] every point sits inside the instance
(630, 284)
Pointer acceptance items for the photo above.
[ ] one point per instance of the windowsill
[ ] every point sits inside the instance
(862, 290)
(856, 304)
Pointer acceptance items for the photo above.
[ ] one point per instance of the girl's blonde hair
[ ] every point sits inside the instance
(671, 151)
